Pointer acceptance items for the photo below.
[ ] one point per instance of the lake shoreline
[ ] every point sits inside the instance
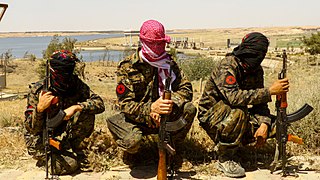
(59, 33)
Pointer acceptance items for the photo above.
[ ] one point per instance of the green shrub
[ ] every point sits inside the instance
(196, 68)
(312, 43)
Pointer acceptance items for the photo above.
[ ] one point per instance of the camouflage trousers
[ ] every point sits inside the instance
(128, 134)
(231, 128)
(70, 134)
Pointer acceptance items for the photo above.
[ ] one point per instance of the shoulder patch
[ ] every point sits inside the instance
(121, 90)
(230, 79)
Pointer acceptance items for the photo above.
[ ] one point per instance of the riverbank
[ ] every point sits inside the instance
(52, 33)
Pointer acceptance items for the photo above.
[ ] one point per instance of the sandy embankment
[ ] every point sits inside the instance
(42, 34)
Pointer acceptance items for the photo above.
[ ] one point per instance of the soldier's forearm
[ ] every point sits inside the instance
(94, 105)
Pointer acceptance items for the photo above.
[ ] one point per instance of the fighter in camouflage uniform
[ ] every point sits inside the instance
(140, 86)
(75, 99)
(233, 108)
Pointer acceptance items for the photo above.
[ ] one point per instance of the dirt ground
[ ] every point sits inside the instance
(27, 170)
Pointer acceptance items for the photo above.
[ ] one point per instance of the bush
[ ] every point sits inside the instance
(55, 45)
(312, 43)
(196, 68)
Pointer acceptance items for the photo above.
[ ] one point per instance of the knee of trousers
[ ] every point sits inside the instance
(112, 120)
(227, 128)
(233, 127)
(127, 136)
(63, 164)
(131, 142)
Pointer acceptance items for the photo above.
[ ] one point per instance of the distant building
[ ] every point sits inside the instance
(130, 34)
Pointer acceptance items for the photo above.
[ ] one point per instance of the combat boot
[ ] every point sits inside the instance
(229, 163)
(231, 168)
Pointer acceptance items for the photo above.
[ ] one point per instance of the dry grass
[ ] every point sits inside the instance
(12, 147)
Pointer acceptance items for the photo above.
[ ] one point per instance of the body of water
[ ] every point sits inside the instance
(19, 46)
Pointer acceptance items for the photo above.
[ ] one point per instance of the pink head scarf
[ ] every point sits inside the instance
(153, 40)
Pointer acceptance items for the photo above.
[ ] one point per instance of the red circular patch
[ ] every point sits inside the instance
(121, 89)
(230, 80)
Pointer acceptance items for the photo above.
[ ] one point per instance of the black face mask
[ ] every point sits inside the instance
(252, 50)
(61, 75)
(251, 61)
(62, 83)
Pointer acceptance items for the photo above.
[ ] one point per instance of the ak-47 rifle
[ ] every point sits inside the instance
(164, 136)
(282, 122)
(48, 128)
(165, 141)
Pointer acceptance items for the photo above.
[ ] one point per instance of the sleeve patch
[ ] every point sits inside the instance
(121, 90)
(231, 80)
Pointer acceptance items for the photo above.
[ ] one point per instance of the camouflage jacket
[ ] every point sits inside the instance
(91, 103)
(235, 87)
(138, 88)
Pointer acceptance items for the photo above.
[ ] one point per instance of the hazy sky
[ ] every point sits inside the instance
(55, 15)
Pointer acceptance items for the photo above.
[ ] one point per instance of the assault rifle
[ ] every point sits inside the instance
(282, 122)
(165, 142)
(48, 128)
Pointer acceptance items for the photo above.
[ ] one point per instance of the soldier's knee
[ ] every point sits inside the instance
(190, 109)
(63, 165)
(112, 120)
(131, 142)
(239, 113)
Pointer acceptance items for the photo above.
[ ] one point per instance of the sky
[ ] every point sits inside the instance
(105, 15)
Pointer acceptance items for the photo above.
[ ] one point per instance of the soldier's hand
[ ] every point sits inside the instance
(162, 106)
(156, 119)
(70, 111)
(44, 101)
(261, 134)
(280, 86)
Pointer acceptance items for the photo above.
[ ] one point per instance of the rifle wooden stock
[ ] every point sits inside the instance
(55, 143)
(283, 101)
(167, 95)
(295, 139)
(162, 165)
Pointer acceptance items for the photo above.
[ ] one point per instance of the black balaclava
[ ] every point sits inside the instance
(62, 64)
(252, 50)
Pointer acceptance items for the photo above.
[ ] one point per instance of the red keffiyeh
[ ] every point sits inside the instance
(153, 40)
